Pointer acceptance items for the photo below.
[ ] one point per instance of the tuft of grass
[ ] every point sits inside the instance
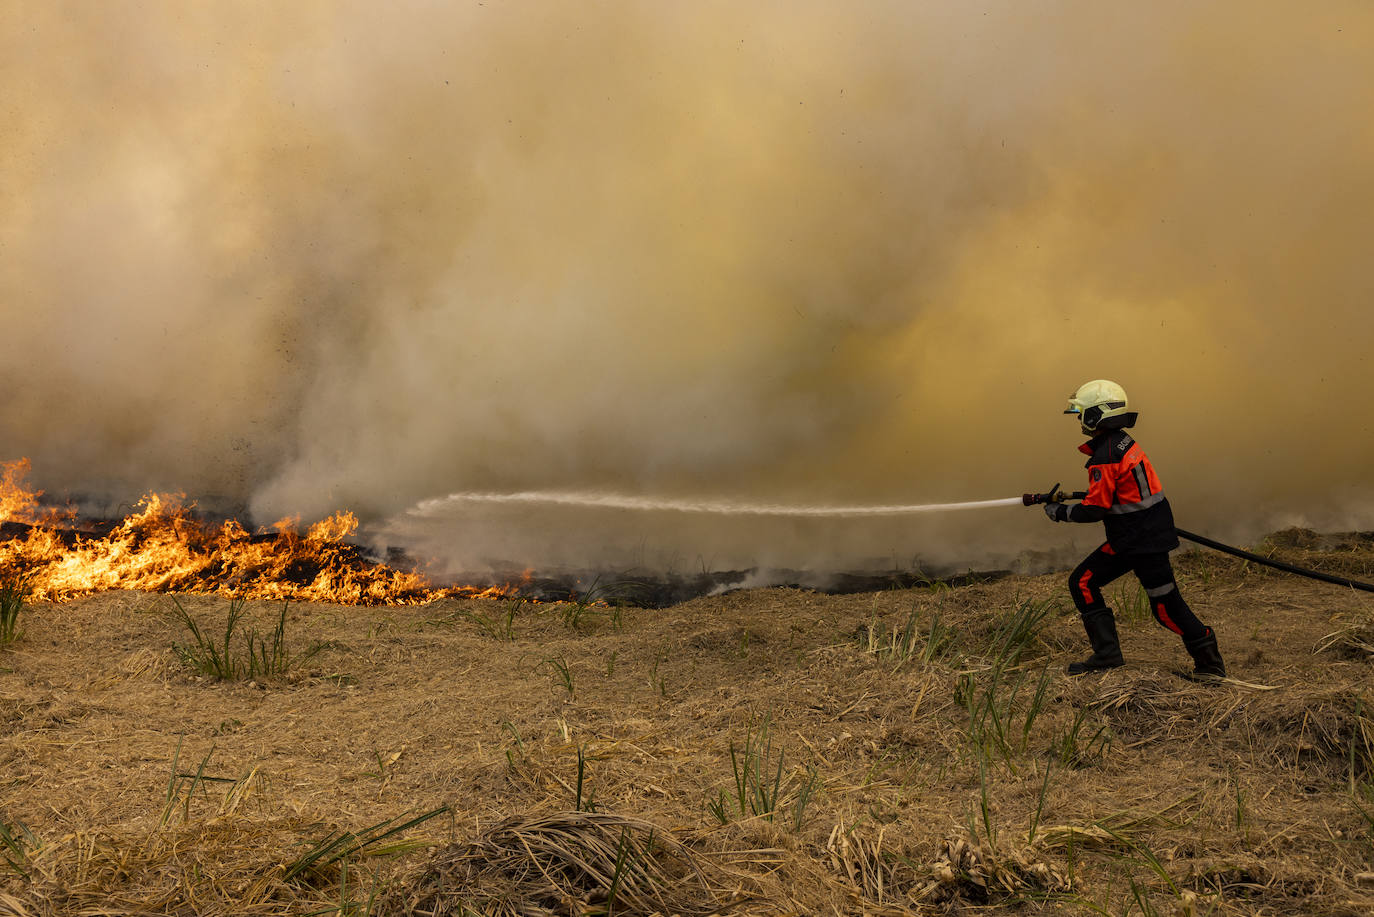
(909, 642)
(1238, 794)
(560, 672)
(1003, 700)
(1131, 603)
(1016, 634)
(583, 800)
(580, 608)
(1000, 715)
(175, 782)
(1136, 860)
(241, 654)
(17, 842)
(182, 787)
(348, 905)
(499, 623)
(657, 680)
(337, 845)
(760, 789)
(14, 589)
(516, 757)
(610, 598)
(625, 860)
(1080, 745)
(1203, 568)
(805, 790)
(1039, 805)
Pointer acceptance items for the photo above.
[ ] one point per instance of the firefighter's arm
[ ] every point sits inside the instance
(1078, 512)
(1101, 492)
(1084, 512)
(1101, 495)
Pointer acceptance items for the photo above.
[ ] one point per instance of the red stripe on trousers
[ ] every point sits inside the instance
(1166, 620)
(1083, 586)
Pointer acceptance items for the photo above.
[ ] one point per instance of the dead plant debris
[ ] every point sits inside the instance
(471, 757)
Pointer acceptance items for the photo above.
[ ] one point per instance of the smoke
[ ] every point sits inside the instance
(316, 256)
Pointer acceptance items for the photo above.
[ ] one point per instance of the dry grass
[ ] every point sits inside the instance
(559, 863)
(952, 771)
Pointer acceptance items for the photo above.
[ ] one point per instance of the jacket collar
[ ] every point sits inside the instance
(1102, 443)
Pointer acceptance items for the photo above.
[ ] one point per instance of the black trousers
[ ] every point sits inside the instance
(1155, 573)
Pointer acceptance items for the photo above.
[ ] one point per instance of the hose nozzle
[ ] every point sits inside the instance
(1053, 495)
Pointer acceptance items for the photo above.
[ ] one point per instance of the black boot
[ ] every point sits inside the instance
(1101, 628)
(1206, 655)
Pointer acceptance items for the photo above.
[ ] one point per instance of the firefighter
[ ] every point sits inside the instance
(1125, 494)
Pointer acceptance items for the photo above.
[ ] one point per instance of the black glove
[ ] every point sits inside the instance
(1058, 512)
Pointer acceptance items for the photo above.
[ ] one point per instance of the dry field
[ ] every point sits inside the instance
(769, 751)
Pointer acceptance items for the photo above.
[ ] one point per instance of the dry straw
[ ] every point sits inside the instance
(562, 863)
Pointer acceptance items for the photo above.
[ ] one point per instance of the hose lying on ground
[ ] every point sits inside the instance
(1277, 564)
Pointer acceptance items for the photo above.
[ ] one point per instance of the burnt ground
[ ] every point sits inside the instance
(781, 750)
(650, 589)
(286, 566)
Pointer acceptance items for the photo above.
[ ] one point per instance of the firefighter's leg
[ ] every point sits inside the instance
(1085, 585)
(1172, 612)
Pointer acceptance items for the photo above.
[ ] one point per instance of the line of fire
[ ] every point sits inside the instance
(166, 546)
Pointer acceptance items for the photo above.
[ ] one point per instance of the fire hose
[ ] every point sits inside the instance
(1055, 495)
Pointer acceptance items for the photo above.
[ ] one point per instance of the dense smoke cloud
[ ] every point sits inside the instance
(304, 257)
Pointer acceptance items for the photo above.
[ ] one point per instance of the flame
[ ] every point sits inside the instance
(164, 547)
(17, 504)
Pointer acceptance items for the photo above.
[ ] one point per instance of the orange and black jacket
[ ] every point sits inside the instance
(1124, 493)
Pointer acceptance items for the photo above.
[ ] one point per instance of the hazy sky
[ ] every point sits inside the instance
(314, 256)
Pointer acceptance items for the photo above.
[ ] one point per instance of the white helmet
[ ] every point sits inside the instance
(1098, 401)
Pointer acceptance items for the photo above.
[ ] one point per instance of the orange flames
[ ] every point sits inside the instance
(163, 547)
